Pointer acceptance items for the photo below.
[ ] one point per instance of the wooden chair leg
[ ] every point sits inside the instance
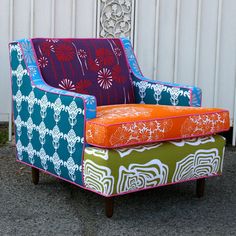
(200, 187)
(109, 204)
(35, 175)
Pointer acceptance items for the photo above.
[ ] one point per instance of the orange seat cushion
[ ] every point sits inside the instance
(132, 124)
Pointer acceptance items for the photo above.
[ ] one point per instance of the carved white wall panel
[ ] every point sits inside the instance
(115, 18)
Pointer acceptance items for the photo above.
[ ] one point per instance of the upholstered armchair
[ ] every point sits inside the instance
(84, 113)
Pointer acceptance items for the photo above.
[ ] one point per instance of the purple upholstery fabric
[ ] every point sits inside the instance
(90, 66)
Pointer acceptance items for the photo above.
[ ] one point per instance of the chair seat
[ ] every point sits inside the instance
(133, 124)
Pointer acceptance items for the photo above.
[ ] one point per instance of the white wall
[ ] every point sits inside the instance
(187, 41)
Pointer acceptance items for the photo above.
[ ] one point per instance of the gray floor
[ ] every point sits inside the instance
(55, 207)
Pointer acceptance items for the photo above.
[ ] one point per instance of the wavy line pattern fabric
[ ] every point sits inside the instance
(132, 124)
(123, 170)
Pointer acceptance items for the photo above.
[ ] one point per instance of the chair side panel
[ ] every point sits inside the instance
(48, 126)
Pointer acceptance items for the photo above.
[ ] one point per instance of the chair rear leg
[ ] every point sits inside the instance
(109, 205)
(200, 187)
(35, 175)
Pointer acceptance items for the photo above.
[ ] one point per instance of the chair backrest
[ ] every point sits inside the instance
(90, 66)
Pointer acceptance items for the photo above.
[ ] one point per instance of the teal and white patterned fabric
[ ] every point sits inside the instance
(49, 122)
(157, 92)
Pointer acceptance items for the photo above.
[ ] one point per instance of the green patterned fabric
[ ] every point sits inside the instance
(118, 171)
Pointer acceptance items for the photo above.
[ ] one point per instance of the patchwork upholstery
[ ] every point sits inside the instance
(132, 124)
(119, 171)
(89, 66)
(55, 112)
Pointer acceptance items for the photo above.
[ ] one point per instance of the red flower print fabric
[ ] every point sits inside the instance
(83, 86)
(89, 66)
(105, 57)
(64, 52)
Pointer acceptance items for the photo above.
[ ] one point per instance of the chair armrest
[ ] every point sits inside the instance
(49, 122)
(157, 92)
(164, 93)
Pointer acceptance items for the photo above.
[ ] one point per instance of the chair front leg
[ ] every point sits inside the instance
(200, 187)
(109, 205)
(35, 175)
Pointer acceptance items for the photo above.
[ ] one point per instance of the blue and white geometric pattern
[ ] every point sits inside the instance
(49, 122)
(158, 92)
